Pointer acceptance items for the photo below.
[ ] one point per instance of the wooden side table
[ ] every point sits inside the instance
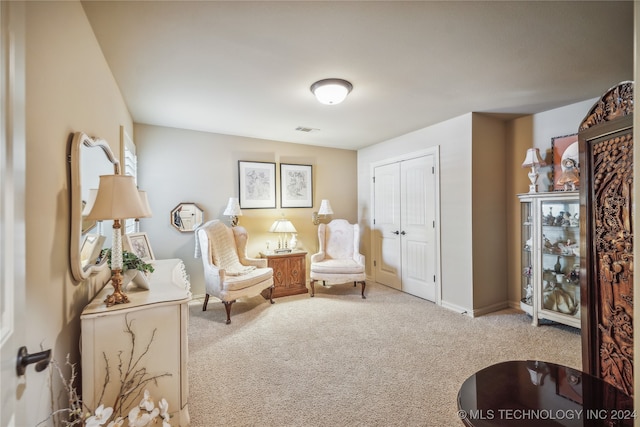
(289, 273)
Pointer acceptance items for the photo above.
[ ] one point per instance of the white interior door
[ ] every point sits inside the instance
(386, 227)
(405, 243)
(12, 224)
(418, 227)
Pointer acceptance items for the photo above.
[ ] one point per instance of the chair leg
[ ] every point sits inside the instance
(313, 288)
(206, 301)
(227, 307)
(271, 294)
(364, 284)
(355, 284)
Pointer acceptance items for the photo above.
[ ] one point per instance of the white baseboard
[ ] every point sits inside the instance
(197, 299)
(490, 308)
(476, 312)
(456, 308)
(515, 304)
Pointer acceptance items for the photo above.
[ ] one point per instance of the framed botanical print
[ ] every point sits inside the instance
(565, 160)
(257, 182)
(296, 186)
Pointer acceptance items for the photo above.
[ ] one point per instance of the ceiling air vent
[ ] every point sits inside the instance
(306, 129)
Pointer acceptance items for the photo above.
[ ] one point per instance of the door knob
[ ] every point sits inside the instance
(41, 359)
(396, 232)
(403, 233)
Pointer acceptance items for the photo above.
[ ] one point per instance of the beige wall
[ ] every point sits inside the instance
(186, 166)
(489, 214)
(520, 138)
(69, 88)
(534, 131)
(454, 138)
(480, 159)
(472, 214)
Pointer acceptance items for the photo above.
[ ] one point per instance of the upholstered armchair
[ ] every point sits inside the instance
(339, 259)
(228, 273)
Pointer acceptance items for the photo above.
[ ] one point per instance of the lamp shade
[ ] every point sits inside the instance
(283, 226)
(533, 158)
(331, 91)
(233, 207)
(93, 193)
(325, 208)
(145, 202)
(117, 198)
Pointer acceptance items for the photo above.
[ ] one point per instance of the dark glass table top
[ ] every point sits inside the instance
(535, 393)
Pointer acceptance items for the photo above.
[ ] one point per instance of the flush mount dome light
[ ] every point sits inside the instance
(331, 91)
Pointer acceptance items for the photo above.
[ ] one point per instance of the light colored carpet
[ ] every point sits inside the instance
(338, 360)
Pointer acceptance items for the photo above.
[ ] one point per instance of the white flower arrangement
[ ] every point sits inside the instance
(145, 414)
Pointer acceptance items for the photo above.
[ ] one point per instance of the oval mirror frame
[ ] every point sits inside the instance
(186, 217)
(78, 140)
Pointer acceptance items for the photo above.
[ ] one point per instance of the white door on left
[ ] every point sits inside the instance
(12, 217)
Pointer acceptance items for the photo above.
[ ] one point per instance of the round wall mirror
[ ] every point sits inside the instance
(187, 217)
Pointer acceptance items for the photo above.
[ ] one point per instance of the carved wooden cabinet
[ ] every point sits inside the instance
(606, 173)
(289, 273)
(551, 256)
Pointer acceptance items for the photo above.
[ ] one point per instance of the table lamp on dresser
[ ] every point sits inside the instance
(117, 199)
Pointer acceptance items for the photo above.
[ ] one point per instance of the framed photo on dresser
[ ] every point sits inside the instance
(138, 243)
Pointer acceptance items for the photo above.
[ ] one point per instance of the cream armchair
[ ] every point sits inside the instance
(339, 259)
(228, 273)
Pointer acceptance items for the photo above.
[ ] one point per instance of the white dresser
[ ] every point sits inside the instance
(158, 319)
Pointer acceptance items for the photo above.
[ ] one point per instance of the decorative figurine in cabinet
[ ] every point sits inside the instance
(551, 257)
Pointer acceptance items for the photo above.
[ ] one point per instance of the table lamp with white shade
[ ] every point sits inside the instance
(324, 211)
(282, 227)
(87, 208)
(117, 199)
(145, 202)
(233, 211)
(534, 161)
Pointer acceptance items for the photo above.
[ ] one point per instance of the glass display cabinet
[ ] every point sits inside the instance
(550, 282)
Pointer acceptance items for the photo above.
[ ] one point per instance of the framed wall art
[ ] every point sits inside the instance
(565, 162)
(138, 243)
(257, 182)
(296, 186)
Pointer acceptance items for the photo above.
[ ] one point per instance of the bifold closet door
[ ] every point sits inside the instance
(404, 226)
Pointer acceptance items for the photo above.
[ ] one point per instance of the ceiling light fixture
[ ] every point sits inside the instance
(331, 91)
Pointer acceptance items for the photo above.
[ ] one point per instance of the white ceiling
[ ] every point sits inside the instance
(245, 68)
